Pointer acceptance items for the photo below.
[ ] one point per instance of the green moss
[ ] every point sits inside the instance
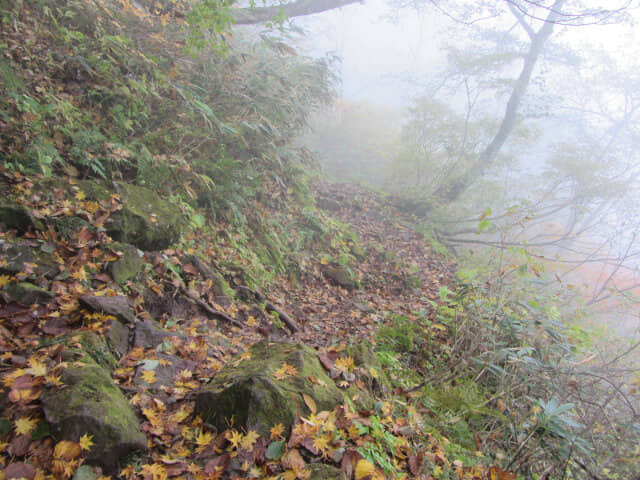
(69, 226)
(91, 403)
(127, 266)
(343, 276)
(145, 220)
(250, 394)
(321, 471)
(18, 217)
(27, 293)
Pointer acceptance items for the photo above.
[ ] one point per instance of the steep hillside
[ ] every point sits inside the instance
(151, 330)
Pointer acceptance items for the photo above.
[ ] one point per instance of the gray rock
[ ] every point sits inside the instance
(166, 367)
(118, 306)
(29, 256)
(149, 334)
(117, 337)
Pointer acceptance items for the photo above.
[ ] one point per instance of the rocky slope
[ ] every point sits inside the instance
(131, 348)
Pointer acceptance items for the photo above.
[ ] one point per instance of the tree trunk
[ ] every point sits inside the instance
(451, 192)
(249, 16)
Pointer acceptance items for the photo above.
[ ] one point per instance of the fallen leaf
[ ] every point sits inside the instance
(25, 425)
(292, 459)
(277, 430)
(66, 450)
(310, 402)
(364, 468)
(85, 441)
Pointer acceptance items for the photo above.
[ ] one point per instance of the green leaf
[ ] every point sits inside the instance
(275, 450)
(5, 426)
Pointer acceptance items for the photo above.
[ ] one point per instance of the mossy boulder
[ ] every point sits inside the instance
(342, 276)
(127, 266)
(248, 394)
(34, 258)
(145, 220)
(91, 403)
(26, 293)
(18, 217)
(321, 471)
(371, 382)
(86, 345)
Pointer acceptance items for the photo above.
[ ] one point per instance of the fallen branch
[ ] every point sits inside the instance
(214, 313)
(269, 307)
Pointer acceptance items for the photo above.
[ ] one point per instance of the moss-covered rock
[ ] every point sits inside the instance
(321, 471)
(85, 472)
(145, 220)
(127, 266)
(26, 293)
(86, 345)
(342, 276)
(249, 395)
(369, 368)
(117, 336)
(31, 257)
(18, 217)
(91, 403)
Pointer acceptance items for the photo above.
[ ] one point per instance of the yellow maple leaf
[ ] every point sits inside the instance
(290, 369)
(80, 195)
(364, 468)
(276, 431)
(251, 321)
(38, 368)
(181, 414)
(4, 279)
(24, 425)
(10, 377)
(321, 442)
(234, 438)
(249, 439)
(91, 207)
(289, 475)
(85, 442)
(155, 470)
(149, 376)
(344, 364)
(80, 274)
(203, 440)
(66, 450)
